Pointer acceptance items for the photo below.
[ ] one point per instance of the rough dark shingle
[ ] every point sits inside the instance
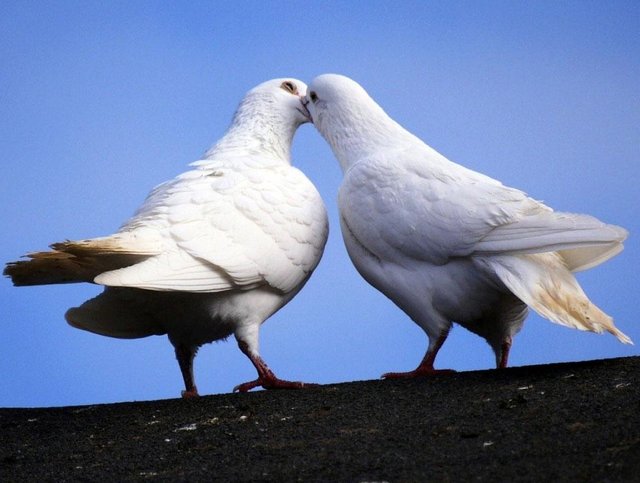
(566, 422)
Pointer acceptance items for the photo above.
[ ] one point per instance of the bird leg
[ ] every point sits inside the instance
(266, 378)
(425, 368)
(504, 352)
(185, 355)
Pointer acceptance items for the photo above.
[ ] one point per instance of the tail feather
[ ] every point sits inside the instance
(582, 240)
(116, 313)
(127, 243)
(544, 283)
(79, 261)
(584, 258)
(48, 268)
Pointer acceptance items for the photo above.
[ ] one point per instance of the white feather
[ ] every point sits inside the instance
(215, 251)
(446, 243)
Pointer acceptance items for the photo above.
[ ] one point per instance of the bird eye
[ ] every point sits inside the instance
(313, 96)
(289, 87)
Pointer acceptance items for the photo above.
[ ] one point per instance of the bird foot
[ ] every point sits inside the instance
(420, 372)
(192, 394)
(272, 382)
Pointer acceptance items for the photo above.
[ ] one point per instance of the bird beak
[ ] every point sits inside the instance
(303, 108)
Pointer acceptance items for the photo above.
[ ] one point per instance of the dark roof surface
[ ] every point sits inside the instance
(572, 421)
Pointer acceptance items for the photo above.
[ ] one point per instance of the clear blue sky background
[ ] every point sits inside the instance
(101, 101)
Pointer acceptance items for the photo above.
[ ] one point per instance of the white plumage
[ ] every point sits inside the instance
(448, 244)
(213, 252)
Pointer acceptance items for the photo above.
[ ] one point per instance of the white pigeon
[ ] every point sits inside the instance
(448, 244)
(213, 252)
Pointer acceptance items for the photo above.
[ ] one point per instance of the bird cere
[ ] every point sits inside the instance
(220, 248)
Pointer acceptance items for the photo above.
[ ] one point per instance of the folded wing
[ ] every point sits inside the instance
(397, 208)
(228, 229)
(217, 227)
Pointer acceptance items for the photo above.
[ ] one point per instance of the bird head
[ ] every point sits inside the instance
(333, 96)
(283, 97)
(347, 117)
(266, 120)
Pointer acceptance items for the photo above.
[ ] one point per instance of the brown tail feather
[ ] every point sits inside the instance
(118, 244)
(82, 260)
(54, 267)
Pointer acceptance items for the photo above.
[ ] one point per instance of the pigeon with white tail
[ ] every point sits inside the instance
(447, 244)
(213, 252)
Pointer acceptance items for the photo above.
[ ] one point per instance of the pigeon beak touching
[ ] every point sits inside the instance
(303, 109)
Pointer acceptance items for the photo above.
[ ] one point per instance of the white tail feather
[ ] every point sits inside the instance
(583, 241)
(545, 284)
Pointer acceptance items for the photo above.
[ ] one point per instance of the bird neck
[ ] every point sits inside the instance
(362, 132)
(258, 127)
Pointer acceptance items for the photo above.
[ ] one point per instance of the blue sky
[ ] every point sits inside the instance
(101, 101)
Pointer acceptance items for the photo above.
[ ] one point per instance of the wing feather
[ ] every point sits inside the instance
(400, 210)
(227, 229)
